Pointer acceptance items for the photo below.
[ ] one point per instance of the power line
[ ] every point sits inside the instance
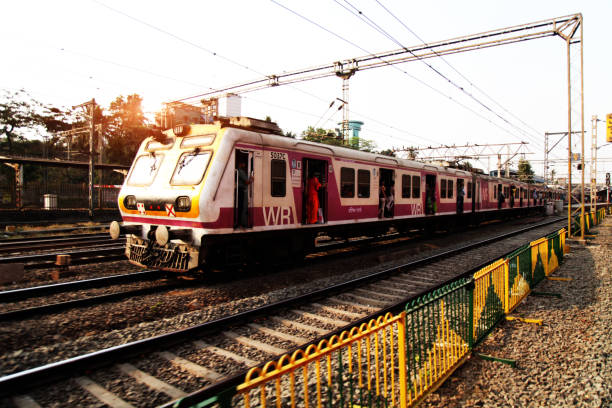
(381, 30)
(454, 69)
(374, 56)
(176, 37)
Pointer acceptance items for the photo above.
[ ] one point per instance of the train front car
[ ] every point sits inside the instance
(162, 201)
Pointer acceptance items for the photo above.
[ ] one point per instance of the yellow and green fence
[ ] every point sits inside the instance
(590, 219)
(397, 360)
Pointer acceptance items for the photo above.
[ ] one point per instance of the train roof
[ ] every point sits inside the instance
(269, 134)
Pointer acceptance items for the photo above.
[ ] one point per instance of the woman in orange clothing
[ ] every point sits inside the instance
(312, 205)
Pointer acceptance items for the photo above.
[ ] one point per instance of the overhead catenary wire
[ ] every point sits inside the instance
(213, 53)
(455, 69)
(361, 15)
(374, 56)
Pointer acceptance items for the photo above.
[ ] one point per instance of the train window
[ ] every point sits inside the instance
(363, 183)
(154, 145)
(416, 186)
(405, 186)
(450, 189)
(442, 188)
(469, 190)
(190, 168)
(201, 140)
(144, 169)
(494, 192)
(506, 192)
(278, 178)
(347, 182)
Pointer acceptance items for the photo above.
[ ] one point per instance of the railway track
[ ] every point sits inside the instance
(216, 353)
(50, 242)
(81, 256)
(45, 291)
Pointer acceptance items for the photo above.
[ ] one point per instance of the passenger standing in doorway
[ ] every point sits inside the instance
(460, 198)
(312, 203)
(243, 194)
(382, 200)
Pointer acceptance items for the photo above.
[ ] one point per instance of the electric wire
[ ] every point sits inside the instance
(454, 69)
(395, 67)
(373, 24)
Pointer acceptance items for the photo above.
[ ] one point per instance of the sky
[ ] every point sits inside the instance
(66, 52)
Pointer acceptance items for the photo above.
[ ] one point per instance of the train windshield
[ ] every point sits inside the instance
(190, 168)
(145, 168)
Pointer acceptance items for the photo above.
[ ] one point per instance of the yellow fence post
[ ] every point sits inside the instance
(401, 350)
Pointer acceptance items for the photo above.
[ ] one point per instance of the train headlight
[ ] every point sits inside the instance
(183, 203)
(130, 202)
(181, 130)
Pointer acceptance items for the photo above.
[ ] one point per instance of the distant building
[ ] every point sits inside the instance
(175, 113)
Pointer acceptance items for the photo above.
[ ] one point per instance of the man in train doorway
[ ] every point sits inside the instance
(312, 203)
(243, 195)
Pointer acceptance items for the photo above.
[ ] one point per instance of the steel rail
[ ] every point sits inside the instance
(44, 290)
(20, 381)
(56, 230)
(52, 242)
(58, 238)
(89, 301)
(48, 260)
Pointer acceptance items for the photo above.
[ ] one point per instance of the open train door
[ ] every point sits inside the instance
(475, 194)
(431, 206)
(243, 189)
(314, 202)
(386, 182)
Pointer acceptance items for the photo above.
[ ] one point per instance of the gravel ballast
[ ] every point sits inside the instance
(566, 362)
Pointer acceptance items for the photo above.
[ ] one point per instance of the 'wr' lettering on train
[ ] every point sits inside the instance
(416, 209)
(277, 215)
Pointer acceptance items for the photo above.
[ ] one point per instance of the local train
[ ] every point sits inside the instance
(206, 195)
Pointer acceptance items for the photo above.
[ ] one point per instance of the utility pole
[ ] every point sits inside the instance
(594, 163)
(345, 70)
(91, 105)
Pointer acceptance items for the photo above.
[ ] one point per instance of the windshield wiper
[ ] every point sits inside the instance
(154, 165)
(187, 159)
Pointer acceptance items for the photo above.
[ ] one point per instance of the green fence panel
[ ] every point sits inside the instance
(426, 319)
(489, 294)
(537, 261)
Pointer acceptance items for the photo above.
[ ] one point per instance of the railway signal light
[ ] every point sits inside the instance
(607, 179)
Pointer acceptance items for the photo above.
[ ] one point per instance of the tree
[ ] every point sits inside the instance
(333, 137)
(461, 164)
(525, 172)
(125, 128)
(388, 152)
(412, 152)
(321, 135)
(17, 114)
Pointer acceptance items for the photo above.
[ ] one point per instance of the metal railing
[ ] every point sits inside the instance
(397, 360)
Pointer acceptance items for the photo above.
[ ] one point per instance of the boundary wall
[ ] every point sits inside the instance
(397, 360)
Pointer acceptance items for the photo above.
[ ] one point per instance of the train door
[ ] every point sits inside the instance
(314, 187)
(460, 195)
(243, 189)
(431, 205)
(386, 194)
(475, 194)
